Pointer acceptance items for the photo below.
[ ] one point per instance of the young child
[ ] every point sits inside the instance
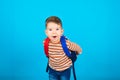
(59, 63)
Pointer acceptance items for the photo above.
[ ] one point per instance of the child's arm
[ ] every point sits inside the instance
(74, 47)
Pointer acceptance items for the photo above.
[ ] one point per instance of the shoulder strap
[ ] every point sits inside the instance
(64, 46)
(46, 44)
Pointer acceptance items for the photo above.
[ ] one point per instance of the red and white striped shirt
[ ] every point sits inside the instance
(57, 58)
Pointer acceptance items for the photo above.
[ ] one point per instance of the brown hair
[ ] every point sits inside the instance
(54, 19)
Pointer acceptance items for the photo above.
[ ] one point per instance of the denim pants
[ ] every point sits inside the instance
(59, 75)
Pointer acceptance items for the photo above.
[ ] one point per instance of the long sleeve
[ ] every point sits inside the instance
(74, 47)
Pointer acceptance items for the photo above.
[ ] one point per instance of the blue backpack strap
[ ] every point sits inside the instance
(64, 46)
(71, 55)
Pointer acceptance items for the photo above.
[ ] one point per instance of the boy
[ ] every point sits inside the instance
(59, 63)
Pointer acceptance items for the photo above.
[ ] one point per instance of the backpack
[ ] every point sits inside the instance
(71, 55)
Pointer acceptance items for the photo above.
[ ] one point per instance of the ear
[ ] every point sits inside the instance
(62, 31)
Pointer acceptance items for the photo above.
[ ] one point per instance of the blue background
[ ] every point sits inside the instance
(93, 24)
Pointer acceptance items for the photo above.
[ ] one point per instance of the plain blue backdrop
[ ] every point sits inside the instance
(93, 24)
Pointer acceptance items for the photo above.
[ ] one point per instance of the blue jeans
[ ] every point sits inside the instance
(59, 75)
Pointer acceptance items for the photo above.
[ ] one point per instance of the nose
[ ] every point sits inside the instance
(54, 31)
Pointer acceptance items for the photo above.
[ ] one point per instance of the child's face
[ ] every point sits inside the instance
(54, 32)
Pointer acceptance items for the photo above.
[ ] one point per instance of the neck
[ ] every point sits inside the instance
(55, 42)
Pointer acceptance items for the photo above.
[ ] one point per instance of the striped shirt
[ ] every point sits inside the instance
(57, 58)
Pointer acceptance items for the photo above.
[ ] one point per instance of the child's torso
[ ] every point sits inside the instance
(57, 58)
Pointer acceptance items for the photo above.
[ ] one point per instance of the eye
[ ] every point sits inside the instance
(50, 29)
(57, 29)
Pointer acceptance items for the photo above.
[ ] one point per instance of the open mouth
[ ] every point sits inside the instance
(54, 36)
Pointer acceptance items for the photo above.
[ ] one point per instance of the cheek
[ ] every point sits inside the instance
(48, 33)
(60, 33)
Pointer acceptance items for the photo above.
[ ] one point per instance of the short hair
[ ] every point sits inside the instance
(54, 19)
